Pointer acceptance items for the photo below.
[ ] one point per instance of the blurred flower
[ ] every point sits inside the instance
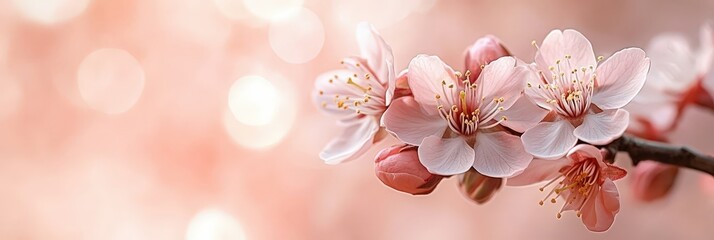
(572, 84)
(398, 167)
(583, 180)
(478, 187)
(676, 71)
(358, 95)
(653, 180)
(455, 121)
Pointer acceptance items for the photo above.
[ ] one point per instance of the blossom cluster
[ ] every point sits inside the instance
(499, 121)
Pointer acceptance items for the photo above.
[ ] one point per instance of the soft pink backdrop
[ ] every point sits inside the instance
(118, 166)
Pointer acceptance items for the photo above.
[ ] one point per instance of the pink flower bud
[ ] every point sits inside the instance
(482, 52)
(398, 167)
(478, 187)
(653, 180)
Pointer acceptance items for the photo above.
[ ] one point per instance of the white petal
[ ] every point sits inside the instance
(523, 115)
(549, 140)
(673, 64)
(539, 170)
(376, 51)
(558, 44)
(504, 78)
(425, 75)
(620, 78)
(327, 87)
(355, 140)
(406, 120)
(446, 156)
(499, 154)
(705, 56)
(601, 128)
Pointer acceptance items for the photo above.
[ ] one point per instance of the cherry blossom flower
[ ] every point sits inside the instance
(677, 70)
(585, 99)
(456, 121)
(399, 168)
(583, 180)
(358, 95)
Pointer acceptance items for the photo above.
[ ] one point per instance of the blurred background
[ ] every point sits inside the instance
(191, 119)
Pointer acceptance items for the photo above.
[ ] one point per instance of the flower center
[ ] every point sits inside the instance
(575, 183)
(362, 92)
(460, 106)
(567, 88)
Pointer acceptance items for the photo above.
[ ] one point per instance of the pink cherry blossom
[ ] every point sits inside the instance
(582, 180)
(358, 95)
(399, 168)
(653, 180)
(584, 98)
(456, 121)
(676, 69)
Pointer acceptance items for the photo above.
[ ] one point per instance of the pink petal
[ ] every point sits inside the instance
(504, 78)
(673, 65)
(327, 87)
(539, 170)
(499, 154)
(523, 115)
(482, 52)
(559, 44)
(391, 84)
(549, 140)
(446, 156)
(378, 54)
(355, 140)
(583, 151)
(620, 78)
(405, 119)
(601, 128)
(426, 74)
(599, 212)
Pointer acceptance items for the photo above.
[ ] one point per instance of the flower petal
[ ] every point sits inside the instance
(503, 78)
(601, 128)
(673, 64)
(549, 140)
(559, 44)
(620, 78)
(376, 51)
(539, 170)
(499, 154)
(523, 115)
(329, 85)
(705, 57)
(405, 119)
(599, 212)
(355, 140)
(446, 156)
(425, 77)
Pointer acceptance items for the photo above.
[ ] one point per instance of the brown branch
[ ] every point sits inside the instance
(642, 150)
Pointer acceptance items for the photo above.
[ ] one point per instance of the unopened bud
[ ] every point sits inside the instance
(399, 168)
(653, 180)
(482, 52)
(478, 187)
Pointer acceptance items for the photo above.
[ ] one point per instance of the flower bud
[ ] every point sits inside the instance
(478, 187)
(653, 180)
(482, 52)
(398, 167)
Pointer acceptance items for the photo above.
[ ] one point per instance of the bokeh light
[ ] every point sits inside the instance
(50, 11)
(265, 127)
(235, 10)
(110, 80)
(214, 224)
(253, 100)
(297, 38)
(273, 9)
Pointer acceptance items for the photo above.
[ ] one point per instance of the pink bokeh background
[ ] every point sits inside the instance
(116, 120)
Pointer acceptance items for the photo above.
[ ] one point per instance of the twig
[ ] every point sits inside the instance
(642, 150)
